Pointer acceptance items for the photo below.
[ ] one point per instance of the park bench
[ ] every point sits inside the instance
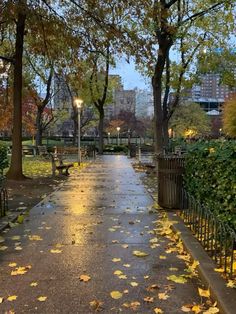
(42, 151)
(58, 165)
(69, 150)
(28, 150)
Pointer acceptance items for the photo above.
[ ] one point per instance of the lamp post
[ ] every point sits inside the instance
(118, 135)
(78, 103)
(109, 134)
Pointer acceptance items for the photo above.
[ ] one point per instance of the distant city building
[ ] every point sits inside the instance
(123, 100)
(144, 103)
(62, 97)
(210, 94)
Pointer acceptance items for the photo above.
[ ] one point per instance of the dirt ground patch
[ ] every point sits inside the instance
(30, 192)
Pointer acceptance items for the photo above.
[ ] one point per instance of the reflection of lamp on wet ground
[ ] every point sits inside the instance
(78, 103)
(118, 135)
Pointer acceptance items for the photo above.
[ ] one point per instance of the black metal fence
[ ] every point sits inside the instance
(217, 238)
(3, 199)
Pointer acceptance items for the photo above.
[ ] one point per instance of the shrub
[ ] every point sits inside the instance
(3, 158)
(115, 149)
(211, 177)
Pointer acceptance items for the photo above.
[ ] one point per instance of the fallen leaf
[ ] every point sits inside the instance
(12, 264)
(146, 277)
(163, 296)
(140, 254)
(162, 257)
(148, 299)
(35, 238)
(96, 305)
(125, 246)
(12, 298)
(122, 277)
(118, 272)
(177, 279)
(116, 295)
(1, 300)
(55, 251)
(186, 308)
(211, 310)
(126, 265)
(158, 311)
(196, 309)
(3, 248)
(231, 284)
(152, 287)
(219, 270)
(204, 293)
(18, 248)
(17, 237)
(20, 270)
(173, 269)
(42, 299)
(115, 260)
(33, 284)
(84, 278)
(134, 284)
(132, 305)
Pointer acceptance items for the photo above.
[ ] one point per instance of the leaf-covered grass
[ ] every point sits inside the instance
(211, 177)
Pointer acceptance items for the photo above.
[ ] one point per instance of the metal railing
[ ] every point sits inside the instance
(216, 237)
(3, 199)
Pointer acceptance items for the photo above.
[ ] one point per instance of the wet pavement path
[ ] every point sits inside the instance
(91, 226)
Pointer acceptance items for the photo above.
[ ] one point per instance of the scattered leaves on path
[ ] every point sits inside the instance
(116, 295)
(20, 270)
(12, 264)
(211, 310)
(115, 260)
(132, 305)
(163, 296)
(134, 284)
(158, 311)
(1, 300)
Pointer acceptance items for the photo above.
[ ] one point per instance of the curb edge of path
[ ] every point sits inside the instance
(225, 297)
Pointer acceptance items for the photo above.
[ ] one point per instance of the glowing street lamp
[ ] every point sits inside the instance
(118, 135)
(78, 103)
(109, 135)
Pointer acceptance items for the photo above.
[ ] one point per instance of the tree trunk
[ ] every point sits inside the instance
(15, 170)
(100, 130)
(164, 47)
(39, 130)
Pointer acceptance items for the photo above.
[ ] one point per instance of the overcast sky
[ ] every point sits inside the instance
(130, 77)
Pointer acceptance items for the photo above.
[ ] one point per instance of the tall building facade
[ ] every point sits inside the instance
(144, 103)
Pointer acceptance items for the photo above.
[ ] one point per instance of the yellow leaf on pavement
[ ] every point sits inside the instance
(177, 279)
(1, 300)
(115, 260)
(33, 284)
(140, 254)
(204, 293)
(55, 251)
(162, 257)
(219, 270)
(158, 311)
(118, 272)
(35, 237)
(134, 284)
(163, 296)
(148, 299)
(12, 298)
(12, 265)
(84, 278)
(42, 299)
(196, 309)
(96, 305)
(116, 295)
(186, 308)
(211, 310)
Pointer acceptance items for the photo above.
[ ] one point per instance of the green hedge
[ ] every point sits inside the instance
(116, 149)
(211, 177)
(3, 158)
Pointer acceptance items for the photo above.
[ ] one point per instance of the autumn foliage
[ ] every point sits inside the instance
(229, 117)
